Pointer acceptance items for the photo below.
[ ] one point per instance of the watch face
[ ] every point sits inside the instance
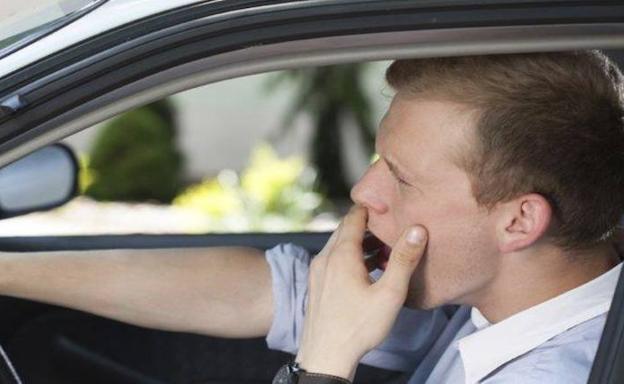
(285, 376)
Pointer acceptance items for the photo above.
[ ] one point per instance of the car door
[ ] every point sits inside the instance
(204, 42)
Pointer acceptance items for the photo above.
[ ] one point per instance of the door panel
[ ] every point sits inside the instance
(311, 241)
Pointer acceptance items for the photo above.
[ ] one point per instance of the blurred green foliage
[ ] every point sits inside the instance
(271, 194)
(332, 96)
(134, 157)
(85, 175)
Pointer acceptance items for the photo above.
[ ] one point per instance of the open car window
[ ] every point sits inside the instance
(242, 155)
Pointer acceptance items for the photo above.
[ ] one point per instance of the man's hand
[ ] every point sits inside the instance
(347, 315)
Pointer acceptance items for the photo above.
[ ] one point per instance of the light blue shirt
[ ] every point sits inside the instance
(553, 342)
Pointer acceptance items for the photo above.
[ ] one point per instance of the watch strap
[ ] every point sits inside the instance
(291, 373)
(318, 378)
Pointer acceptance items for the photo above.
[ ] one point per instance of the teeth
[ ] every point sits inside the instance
(372, 253)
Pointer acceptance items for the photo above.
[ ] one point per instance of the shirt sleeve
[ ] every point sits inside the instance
(410, 339)
(289, 273)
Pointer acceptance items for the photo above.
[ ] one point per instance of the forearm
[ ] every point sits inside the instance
(218, 291)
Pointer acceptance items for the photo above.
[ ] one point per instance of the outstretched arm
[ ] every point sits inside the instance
(215, 291)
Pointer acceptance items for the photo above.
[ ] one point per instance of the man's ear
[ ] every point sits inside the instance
(523, 221)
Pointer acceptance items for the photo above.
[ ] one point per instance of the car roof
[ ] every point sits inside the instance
(110, 15)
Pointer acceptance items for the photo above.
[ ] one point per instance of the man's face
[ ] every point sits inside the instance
(416, 181)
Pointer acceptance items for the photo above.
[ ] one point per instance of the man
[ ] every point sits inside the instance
(514, 165)
(498, 187)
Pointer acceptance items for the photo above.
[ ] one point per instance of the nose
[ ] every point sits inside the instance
(368, 191)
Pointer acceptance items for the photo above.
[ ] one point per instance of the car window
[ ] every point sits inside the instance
(22, 22)
(243, 155)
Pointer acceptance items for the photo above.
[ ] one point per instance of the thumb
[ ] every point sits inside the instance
(404, 258)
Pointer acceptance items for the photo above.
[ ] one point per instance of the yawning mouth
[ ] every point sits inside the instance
(376, 252)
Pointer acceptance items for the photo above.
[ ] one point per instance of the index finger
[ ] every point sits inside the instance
(353, 226)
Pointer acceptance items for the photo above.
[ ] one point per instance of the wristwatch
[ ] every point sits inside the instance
(292, 373)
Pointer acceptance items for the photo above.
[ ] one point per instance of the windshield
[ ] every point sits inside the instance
(24, 21)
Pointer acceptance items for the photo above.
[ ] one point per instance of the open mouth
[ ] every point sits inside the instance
(376, 252)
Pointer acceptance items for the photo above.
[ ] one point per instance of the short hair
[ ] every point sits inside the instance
(547, 123)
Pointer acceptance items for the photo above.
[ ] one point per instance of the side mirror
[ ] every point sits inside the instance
(42, 180)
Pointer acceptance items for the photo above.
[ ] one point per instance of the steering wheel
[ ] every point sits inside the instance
(8, 375)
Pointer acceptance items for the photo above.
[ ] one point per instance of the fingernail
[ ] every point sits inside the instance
(415, 236)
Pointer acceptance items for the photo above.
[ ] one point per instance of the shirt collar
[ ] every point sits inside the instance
(478, 320)
(493, 345)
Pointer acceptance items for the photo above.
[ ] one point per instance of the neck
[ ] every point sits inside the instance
(528, 278)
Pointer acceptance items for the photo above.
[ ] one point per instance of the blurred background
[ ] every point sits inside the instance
(276, 152)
